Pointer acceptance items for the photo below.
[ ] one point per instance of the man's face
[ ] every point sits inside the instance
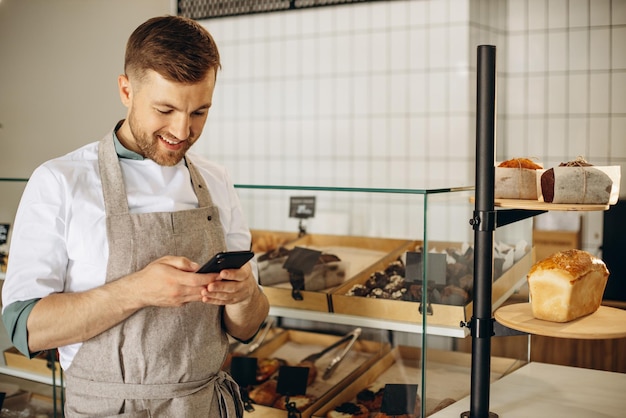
(165, 118)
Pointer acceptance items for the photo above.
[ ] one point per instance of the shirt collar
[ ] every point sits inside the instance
(121, 150)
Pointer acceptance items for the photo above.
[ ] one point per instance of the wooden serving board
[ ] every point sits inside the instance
(605, 323)
(540, 205)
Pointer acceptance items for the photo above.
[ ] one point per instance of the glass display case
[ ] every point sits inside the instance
(370, 229)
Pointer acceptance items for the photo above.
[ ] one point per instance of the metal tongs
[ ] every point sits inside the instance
(257, 343)
(335, 362)
(315, 356)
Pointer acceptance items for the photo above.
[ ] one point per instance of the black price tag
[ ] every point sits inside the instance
(436, 267)
(4, 233)
(302, 207)
(243, 370)
(292, 380)
(399, 399)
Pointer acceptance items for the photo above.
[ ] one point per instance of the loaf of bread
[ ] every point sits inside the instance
(516, 179)
(566, 285)
(576, 185)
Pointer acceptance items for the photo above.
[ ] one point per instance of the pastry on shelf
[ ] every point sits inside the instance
(269, 241)
(267, 367)
(329, 270)
(265, 393)
(371, 396)
(516, 179)
(576, 182)
(566, 285)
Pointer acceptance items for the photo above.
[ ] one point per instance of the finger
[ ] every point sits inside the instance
(180, 263)
(237, 274)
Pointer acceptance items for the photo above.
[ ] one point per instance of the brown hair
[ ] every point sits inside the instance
(178, 48)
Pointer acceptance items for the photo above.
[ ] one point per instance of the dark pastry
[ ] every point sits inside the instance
(371, 397)
(349, 410)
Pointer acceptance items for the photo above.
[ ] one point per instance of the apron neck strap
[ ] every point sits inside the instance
(115, 200)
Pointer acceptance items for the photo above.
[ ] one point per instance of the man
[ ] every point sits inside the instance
(107, 240)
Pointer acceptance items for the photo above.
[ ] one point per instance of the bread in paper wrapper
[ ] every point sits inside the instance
(516, 179)
(330, 271)
(578, 185)
(566, 286)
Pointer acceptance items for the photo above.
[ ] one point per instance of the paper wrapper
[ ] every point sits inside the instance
(323, 276)
(581, 185)
(516, 183)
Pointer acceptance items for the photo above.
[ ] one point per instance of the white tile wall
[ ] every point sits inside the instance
(383, 94)
(574, 75)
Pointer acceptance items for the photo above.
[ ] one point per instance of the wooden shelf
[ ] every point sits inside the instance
(605, 323)
(539, 205)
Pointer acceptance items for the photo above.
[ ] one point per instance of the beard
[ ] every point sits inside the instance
(150, 146)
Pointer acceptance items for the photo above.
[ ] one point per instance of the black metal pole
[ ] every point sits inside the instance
(484, 223)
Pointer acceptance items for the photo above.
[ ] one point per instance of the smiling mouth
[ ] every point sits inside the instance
(170, 141)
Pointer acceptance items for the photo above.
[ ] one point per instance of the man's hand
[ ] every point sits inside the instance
(169, 282)
(66, 318)
(245, 305)
(229, 286)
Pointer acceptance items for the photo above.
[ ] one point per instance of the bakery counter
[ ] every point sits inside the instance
(547, 390)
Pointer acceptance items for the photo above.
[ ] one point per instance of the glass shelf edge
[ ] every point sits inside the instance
(15, 179)
(10, 371)
(355, 189)
(342, 319)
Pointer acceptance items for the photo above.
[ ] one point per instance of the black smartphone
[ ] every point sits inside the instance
(226, 260)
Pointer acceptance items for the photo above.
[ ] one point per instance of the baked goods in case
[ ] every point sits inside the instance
(391, 283)
(328, 272)
(383, 415)
(371, 397)
(349, 410)
(567, 285)
(300, 402)
(266, 367)
(268, 241)
(516, 179)
(576, 182)
(265, 393)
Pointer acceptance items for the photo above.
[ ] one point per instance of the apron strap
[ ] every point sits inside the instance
(199, 185)
(227, 391)
(115, 202)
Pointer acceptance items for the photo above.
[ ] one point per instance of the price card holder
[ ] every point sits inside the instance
(436, 267)
(400, 399)
(243, 371)
(300, 262)
(302, 207)
(436, 273)
(292, 382)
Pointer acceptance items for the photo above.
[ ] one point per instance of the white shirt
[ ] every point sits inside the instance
(59, 240)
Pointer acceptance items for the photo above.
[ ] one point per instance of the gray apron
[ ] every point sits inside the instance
(159, 362)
